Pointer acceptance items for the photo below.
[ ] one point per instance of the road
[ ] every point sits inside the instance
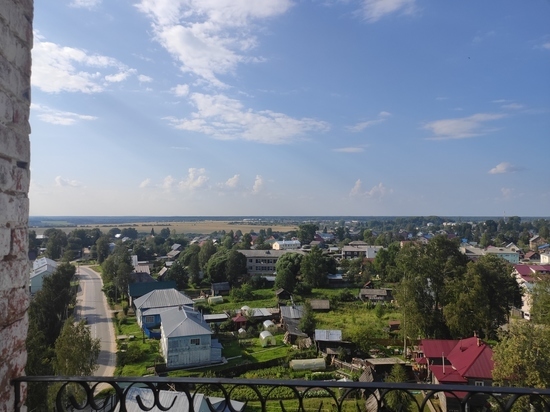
(92, 305)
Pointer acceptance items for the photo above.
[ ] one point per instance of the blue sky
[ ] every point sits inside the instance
(289, 107)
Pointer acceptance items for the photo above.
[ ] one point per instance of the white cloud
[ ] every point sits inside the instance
(376, 192)
(66, 69)
(224, 118)
(461, 128)
(195, 179)
(506, 192)
(85, 4)
(374, 10)
(53, 116)
(504, 167)
(167, 183)
(512, 106)
(349, 150)
(145, 79)
(62, 182)
(145, 183)
(180, 90)
(258, 184)
(232, 182)
(546, 46)
(209, 37)
(382, 116)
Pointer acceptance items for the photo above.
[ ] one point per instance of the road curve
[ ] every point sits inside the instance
(92, 305)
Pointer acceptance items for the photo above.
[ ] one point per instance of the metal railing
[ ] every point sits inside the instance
(106, 394)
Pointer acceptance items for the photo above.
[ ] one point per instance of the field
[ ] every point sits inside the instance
(199, 227)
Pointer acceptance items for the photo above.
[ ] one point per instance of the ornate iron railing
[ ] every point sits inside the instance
(105, 394)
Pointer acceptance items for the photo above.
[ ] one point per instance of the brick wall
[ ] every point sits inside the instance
(15, 69)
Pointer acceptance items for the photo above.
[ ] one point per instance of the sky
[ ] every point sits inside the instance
(290, 107)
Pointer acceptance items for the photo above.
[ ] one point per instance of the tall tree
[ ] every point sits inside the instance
(315, 267)
(76, 352)
(179, 274)
(287, 268)
(397, 400)
(57, 240)
(236, 266)
(308, 322)
(540, 298)
(306, 233)
(102, 248)
(206, 252)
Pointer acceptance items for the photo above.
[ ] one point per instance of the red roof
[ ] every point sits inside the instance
(472, 358)
(436, 348)
(449, 376)
(239, 319)
(523, 270)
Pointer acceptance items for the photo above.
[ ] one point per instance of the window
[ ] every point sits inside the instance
(197, 341)
(480, 383)
(149, 319)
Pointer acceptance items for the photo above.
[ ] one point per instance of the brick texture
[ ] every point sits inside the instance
(15, 69)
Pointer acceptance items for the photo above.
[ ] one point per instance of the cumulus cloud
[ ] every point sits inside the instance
(180, 90)
(62, 182)
(546, 45)
(461, 128)
(85, 4)
(167, 183)
(209, 38)
(382, 116)
(376, 192)
(56, 68)
(145, 183)
(349, 150)
(59, 117)
(504, 167)
(144, 79)
(224, 118)
(374, 10)
(195, 179)
(232, 182)
(258, 184)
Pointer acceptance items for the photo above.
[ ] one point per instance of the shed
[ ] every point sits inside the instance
(317, 364)
(213, 300)
(267, 339)
(269, 325)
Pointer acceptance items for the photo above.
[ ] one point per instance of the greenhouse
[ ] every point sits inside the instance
(317, 364)
(269, 325)
(267, 339)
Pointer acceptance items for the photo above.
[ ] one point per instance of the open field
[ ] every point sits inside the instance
(199, 227)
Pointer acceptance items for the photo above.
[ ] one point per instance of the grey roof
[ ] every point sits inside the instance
(375, 292)
(385, 361)
(320, 304)
(328, 335)
(267, 253)
(215, 317)
(221, 286)
(178, 322)
(162, 299)
(165, 399)
(292, 312)
(257, 312)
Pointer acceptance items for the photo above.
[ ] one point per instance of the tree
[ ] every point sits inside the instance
(194, 269)
(165, 233)
(76, 352)
(206, 252)
(540, 297)
(384, 263)
(397, 400)
(130, 232)
(308, 322)
(102, 248)
(236, 266)
(179, 274)
(522, 357)
(216, 267)
(315, 267)
(306, 233)
(57, 240)
(287, 268)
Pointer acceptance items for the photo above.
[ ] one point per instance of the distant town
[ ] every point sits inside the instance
(374, 299)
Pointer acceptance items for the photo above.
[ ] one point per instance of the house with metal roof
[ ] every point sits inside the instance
(149, 306)
(376, 295)
(138, 289)
(186, 339)
(42, 268)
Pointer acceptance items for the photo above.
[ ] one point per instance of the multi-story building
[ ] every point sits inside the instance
(262, 262)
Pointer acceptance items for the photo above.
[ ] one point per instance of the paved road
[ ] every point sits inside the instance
(92, 305)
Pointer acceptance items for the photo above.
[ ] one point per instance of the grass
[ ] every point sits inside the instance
(263, 298)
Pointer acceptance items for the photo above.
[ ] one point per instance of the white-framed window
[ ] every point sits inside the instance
(149, 319)
(197, 341)
(479, 383)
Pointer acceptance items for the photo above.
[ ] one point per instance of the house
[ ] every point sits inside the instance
(468, 362)
(532, 256)
(325, 339)
(376, 295)
(180, 401)
(282, 294)
(545, 258)
(535, 242)
(509, 254)
(360, 249)
(186, 339)
(290, 318)
(150, 306)
(526, 276)
(220, 289)
(286, 245)
(138, 289)
(262, 262)
(41, 268)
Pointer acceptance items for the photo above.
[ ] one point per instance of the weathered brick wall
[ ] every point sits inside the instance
(15, 69)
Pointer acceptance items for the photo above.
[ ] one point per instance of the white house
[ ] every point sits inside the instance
(286, 245)
(40, 269)
(186, 339)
